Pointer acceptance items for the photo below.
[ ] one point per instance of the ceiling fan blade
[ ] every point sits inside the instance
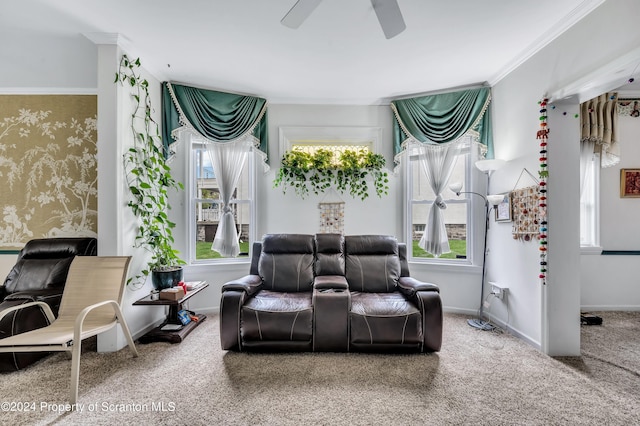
(299, 12)
(389, 16)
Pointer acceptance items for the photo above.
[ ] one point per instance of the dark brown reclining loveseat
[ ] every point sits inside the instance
(330, 293)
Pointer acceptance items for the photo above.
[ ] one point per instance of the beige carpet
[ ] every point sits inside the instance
(479, 378)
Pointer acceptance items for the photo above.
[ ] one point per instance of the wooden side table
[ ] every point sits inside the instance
(172, 336)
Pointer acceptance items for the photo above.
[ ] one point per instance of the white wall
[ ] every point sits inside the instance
(586, 47)
(611, 282)
(37, 61)
(290, 213)
(116, 223)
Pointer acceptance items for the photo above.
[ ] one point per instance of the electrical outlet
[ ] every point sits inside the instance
(499, 291)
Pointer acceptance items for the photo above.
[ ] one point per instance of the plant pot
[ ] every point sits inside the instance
(166, 279)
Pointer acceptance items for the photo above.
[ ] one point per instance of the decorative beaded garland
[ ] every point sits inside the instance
(543, 173)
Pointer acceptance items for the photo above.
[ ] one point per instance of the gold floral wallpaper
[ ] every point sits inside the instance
(48, 165)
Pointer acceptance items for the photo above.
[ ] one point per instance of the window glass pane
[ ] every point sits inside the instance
(455, 219)
(421, 189)
(208, 207)
(589, 204)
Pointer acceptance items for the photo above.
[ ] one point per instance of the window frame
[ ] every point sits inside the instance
(473, 182)
(191, 189)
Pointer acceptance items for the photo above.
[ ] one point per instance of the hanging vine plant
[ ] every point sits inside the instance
(351, 171)
(149, 179)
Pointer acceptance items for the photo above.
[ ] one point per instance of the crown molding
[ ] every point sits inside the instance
(108, 38)
(582, 10)
(48, 91)
(612, 75)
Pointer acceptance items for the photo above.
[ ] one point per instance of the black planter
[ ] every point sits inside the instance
(166, 279)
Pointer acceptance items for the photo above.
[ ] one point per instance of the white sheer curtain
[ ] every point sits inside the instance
(228, 159)
(437, 162)
(586, 157)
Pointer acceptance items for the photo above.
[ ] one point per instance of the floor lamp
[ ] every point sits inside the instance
(486, 166)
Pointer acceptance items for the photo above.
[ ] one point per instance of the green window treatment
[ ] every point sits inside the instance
(216, 116)
(443, 118)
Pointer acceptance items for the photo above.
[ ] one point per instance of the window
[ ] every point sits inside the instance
(458, 213)
(206, 206)
(589, 204)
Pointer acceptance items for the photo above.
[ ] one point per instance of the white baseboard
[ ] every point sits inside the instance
(627, 308)
(452, 310)
(498, 322)
(147, 328)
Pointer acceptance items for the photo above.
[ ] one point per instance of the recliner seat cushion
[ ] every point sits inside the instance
(384, 318)
(277, 316)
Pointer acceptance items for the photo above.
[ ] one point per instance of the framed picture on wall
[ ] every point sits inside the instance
(503, 210)
(629, 183)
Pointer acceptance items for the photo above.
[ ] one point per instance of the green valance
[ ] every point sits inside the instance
(216, 116)
(443, 118)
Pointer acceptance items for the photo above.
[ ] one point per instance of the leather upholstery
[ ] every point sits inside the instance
(286, 262)
(329, 254)
(39, 274)
(272, 316)
(330, 293)
(384, 319)
(373, 263)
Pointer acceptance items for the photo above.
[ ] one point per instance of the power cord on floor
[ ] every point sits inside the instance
(491, 320)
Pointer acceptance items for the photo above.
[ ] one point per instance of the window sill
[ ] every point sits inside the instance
(458, 267)
(590, 250)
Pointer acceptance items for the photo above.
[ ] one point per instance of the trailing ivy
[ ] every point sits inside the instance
(351, 172)
(148, 177)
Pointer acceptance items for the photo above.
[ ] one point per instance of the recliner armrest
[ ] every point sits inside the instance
(411, 286)
(323, 282)
(249, 284)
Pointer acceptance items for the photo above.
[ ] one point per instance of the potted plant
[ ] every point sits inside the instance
(350, 171)
(149, 180)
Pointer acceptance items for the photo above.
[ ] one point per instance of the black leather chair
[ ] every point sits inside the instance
(38, 275)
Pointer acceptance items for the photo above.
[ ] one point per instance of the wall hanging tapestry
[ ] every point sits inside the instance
(526, 219)
(48, 164)
(332, 217)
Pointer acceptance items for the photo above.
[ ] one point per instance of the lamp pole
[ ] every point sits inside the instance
(479, 322)
(487, 167)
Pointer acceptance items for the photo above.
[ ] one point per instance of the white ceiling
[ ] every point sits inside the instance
(338, 56)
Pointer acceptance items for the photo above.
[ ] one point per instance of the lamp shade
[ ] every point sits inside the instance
(495, 199)
(456, 187)
(489, 165)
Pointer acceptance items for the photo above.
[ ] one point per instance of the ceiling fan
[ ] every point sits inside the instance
(387, 11)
